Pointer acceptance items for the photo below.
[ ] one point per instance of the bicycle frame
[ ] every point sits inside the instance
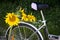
(43, 20)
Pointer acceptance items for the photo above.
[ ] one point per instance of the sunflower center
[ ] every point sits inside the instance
(12, 18)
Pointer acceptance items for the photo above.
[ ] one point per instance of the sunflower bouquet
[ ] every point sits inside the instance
(13, 19)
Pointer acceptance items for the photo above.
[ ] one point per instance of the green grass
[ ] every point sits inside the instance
(52, 14)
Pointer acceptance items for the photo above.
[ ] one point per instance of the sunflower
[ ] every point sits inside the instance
(31, 18)
(24, 17)
(12, 19)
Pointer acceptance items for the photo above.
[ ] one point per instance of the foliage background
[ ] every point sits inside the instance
(52, 14)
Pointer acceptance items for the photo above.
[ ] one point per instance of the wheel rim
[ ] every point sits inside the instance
(23, 33)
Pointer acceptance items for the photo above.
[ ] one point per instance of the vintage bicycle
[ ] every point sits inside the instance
(27, 31)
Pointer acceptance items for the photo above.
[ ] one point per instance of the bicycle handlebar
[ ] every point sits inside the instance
(42, 6)
(38, 6)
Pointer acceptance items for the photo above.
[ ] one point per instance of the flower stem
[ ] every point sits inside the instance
(10, 33)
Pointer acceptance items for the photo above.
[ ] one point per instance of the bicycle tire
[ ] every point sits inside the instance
(29, 27)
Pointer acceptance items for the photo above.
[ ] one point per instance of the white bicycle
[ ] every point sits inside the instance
(27, 31)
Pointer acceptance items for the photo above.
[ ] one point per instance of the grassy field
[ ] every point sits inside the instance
(52, 14)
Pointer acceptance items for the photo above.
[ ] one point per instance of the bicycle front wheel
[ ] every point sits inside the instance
(24, 32)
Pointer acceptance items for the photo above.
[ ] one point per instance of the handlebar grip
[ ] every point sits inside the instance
(38, 6)
(42, 6)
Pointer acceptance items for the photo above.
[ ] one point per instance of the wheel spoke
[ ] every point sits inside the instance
(31, 35)
(20, 34)
(24, 32)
